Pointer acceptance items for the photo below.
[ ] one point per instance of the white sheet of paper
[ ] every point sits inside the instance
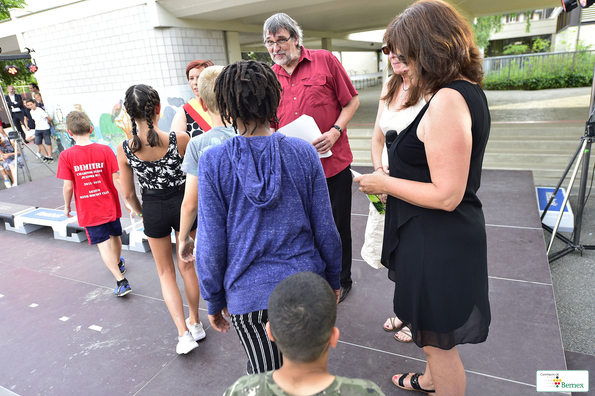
(355, 173)
(306, 129)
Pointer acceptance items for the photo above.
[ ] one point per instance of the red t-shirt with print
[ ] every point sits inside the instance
(91, 168)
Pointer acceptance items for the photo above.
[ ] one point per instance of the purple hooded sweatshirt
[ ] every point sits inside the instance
(264, 213)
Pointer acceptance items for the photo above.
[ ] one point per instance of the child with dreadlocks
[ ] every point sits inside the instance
(156, 158)
(264, 212)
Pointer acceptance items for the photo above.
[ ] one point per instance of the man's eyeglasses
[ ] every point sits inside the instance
(280, 43)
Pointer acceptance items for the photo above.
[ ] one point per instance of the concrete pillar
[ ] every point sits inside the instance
(327, 43)
(232, 42)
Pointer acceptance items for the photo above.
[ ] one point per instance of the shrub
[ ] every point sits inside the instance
(548, 82)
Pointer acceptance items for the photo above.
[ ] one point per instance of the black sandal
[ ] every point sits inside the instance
(414, 383)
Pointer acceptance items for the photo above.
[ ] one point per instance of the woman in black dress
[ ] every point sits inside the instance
(434, 240)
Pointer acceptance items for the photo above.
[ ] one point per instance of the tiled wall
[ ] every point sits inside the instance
(113, 50)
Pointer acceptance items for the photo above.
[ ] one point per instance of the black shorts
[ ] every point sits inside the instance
(161, 211)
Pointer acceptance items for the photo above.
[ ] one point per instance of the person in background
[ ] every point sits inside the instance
(315, 83)
(17, 109)
(7, 155)
(435, 237)
(303, 326)
(156, 158)
(392, 115)
(34, 88)
(198, 144)
(191, 117)
(263, 212)
(43, 132)
(37, 97)
(90, 174)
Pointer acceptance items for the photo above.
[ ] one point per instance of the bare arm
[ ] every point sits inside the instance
(67, 191)
(183, 138)
(445, 130)
(378, 138)
(118, 185)
(188, 214)
(178, 124)
(126, 182)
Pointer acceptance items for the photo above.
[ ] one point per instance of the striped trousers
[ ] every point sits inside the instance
(263, 354)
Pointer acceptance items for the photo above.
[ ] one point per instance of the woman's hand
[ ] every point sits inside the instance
(218, 322)
(372, 183)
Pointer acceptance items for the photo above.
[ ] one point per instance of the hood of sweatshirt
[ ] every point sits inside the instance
(256, 161)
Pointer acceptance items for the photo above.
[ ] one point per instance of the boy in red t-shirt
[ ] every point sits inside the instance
(90, 172)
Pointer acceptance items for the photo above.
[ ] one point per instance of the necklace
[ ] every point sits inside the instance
(404, 93)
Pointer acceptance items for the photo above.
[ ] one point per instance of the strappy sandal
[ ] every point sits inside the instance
(405, 331)
(414, 383)
(391, 324)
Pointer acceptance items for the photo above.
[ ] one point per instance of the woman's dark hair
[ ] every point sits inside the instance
(140, 103)
(437, 43)
(197, 64)
(35, 86)
(248, 90)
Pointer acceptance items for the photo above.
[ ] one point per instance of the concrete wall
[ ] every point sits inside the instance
(359, 62)
(519, 29)
(93, 60)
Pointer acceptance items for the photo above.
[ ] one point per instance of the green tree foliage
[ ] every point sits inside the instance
(484, 28)
(541, 45)
(258, 56)
(7, 5)
(24, 77)
(515, 49)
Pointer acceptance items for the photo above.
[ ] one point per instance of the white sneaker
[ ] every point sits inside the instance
(185, 344)
(8, 185)
(196, 329)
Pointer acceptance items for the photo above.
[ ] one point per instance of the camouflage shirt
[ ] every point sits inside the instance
(263, 385)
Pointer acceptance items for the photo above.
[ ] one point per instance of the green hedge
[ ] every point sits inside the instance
(560, 81)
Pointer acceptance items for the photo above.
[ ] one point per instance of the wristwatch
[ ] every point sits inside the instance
(337, 127)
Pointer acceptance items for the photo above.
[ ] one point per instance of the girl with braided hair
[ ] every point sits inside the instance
(156, 158)
(264, 212)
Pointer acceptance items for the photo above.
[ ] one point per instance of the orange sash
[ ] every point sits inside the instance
(198, 114)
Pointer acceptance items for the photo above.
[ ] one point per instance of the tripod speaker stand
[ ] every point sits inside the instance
(582, 154)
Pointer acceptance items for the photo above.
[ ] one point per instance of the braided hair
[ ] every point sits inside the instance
(140, 103)
(248, 90)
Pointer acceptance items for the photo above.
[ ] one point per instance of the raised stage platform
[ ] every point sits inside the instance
(63, 332)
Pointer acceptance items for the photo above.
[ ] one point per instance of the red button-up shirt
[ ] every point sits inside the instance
(319, 87)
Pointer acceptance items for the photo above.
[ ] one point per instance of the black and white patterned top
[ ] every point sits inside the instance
(192, 127)
(162, 173)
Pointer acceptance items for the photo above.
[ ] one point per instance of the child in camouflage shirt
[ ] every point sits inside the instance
(302, 311)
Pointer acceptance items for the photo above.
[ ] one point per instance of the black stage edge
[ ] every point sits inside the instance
(64, 332)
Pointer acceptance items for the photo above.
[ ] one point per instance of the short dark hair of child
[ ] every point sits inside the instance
(78, 123)
(248, 90)
(30, 101)
(302, 311)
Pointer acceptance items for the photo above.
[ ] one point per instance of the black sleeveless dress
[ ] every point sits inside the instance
(438, 259)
